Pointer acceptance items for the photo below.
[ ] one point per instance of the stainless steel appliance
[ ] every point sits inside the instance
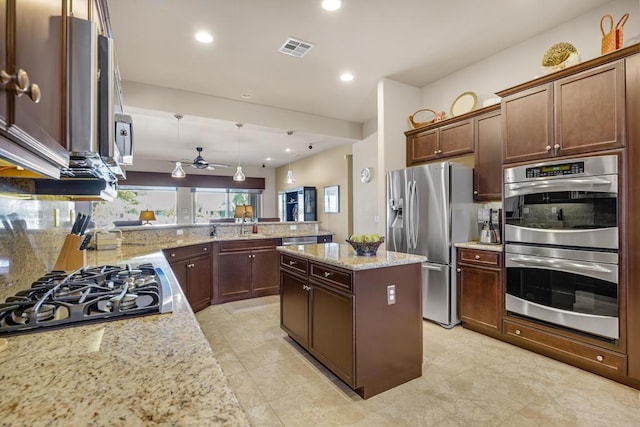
(87, 295)
(490, 220)
(561, 235)
(429, 208)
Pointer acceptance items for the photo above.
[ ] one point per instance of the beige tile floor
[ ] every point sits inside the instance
(468, 379)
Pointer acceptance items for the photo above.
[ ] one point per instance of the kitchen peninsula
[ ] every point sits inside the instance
(360, 316)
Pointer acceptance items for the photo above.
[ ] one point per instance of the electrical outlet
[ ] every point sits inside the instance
(391, 294)
(179, 231)
(293, 227)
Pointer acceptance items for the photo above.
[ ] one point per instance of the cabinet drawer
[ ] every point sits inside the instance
(247, 244)
(293, 263)
(480, 257)
(173, 254)
(331, 276)
(583, 353)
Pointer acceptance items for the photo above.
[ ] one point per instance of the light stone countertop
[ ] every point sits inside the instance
(150, 370)
(479, 246)
(343, 256)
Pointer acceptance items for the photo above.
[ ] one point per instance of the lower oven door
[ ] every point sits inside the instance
(564, 287)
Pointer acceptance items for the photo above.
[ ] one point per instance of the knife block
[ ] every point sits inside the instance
(70, 257)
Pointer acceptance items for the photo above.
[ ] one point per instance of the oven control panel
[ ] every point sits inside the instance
(572, 168)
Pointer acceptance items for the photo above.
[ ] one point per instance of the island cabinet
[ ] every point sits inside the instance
(246, 269)
(439, 141)
(192, 266)
(576, 114)
(344, 319)
(32, 101)
(487, 172)
(480, 290)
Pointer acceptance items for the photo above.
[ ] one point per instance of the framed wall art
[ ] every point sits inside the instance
(332, 199)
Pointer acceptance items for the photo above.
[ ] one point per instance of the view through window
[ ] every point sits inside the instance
(132, 200)
(212, 204)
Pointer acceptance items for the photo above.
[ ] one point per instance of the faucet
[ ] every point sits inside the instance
(214, 231)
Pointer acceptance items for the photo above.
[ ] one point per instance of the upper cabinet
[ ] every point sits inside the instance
(440, 140)
(576, 114)
(34, 76)
(487, 173)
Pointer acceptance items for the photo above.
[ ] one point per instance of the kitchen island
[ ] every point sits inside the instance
(360, 316)
(156, 369)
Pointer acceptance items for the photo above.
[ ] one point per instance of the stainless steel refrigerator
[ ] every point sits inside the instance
(429, 208)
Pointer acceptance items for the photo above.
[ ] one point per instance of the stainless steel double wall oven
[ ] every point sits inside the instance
(561, 236)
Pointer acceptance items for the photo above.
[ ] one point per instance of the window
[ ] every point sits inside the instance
(132, 200)
(213, 204)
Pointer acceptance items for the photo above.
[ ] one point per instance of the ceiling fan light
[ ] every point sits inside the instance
(289, 179)
(239, 175)
(178, 172)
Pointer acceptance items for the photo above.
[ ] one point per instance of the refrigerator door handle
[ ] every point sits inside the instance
(432, 267)
(416, 215)
(408, 222)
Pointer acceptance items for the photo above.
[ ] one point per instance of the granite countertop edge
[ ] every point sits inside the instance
(343, 256)
(479, 246)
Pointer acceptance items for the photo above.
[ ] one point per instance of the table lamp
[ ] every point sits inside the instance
(147, 216)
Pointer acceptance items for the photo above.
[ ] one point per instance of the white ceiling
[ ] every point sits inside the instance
(412, 41)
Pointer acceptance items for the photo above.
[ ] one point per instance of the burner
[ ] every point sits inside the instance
(90, 294)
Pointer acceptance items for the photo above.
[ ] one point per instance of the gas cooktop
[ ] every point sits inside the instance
(89, 294)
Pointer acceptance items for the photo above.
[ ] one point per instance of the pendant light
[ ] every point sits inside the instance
(289, 179)
(178, 172)
(239, 175)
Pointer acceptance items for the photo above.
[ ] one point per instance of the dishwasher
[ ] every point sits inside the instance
(304, 240)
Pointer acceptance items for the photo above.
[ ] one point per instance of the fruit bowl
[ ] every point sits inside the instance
(366, 248)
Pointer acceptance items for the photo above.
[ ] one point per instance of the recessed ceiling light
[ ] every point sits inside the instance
(346, 77)
(246, 95)
(331, 5)
(287, 150)
(204, 37)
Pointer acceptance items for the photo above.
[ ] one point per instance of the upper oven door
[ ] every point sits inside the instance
(580, 211)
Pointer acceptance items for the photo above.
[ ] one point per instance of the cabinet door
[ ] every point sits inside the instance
(3, 62)
(487, 174)
(527, 124)
(590, 110)
(310, 204)
(265, 272)
(332, 338)
(422, 147)
(456, 139)
(39, 50)
(199, 282)
(234, 275)
(179, 269)
(294, 308)
(479, 300)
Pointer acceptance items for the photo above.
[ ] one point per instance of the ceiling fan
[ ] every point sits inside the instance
(200, 163)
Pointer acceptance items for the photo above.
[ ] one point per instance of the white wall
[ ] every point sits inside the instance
(365, 198)
(522, 62)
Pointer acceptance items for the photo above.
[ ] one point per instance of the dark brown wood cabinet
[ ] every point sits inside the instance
(441, 140)
(246, 269)
(192, 266)
(342, 317)
(576, 114)
(36, 73)
(480, 291)
(487, 173)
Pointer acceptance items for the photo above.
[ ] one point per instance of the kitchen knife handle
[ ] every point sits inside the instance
(76, 224)
(85, 242)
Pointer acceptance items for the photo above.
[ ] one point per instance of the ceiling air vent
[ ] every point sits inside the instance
(296, 48)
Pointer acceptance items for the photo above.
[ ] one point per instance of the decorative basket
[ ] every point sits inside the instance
(366, 248)
(437, 117)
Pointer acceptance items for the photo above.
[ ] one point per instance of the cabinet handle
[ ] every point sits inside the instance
(458, 270)
(21, 84)
(477, 256)
(548, 147)
(292, 262)
(556, 146)
(599, 358)
(205, 249)
(173, 255)
(475, 192)
(327, 274)
(517, 331)
(435, 152)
